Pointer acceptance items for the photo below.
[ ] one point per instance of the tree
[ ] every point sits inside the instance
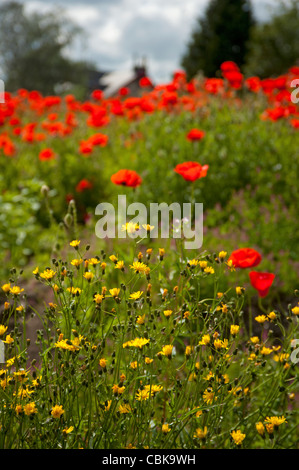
(32, 49)
(220, 35)
(274, 46)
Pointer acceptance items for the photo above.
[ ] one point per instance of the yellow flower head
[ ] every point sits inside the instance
(75, 243)
(30, 408)
(6, 287)
(234, 329)
(260, 428)
(114, 292)
(136, 295)
(57, 411)
(15, 290)
(261, 318)
(88, 276)
(165, 428)
(167, 313)
(200, 433)
(238, 437)
(167, 351)
(139, 267)
(2, 329)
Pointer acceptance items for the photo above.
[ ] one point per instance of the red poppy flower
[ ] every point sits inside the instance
(126, 178)
(124, 91)
(191, 171)
(261, 282)
(229, 66)
(83, 185)
(145, 82)
(97, 95)
(195, 134)
(245, 258)
(46, 154)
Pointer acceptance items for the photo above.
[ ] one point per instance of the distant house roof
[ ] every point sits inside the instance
(112, 82)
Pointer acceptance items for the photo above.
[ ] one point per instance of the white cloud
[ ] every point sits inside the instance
(120, 30)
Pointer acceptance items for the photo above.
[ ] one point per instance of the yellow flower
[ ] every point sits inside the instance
(118, 390)
(265, 351)
(130, 227)
(103, 362)
(98, 298)
(165, 428)
(107, 405)
(142, 395)
(88, 276)
(260, 428)
(200, 433)
(77, 262)
(188, 351)
(35, 271)
(255, 339)
(114, 292)
(113, 258)
(74, 290)
(272, 316)
(120, 265)
(18, 409)
(275, 420)
(240, 290)
(153, 389)
(136, 295)
(9, 339)
(103, 266)
(30, 408)
(193, 262)
(136, 343)
(140, 319)
(238, 437)
(139, 267)
(6, 287)
(148, 360)
(68, 430)
(295, 310)
(234, 329)
(218, 343)
(2, 329)
(209, 270)
(261, 318)
(167, 350)
(230, 265)
(57, 411)
(125, 408)
(222, 255)
(93, 261)
(205, 340)
(209, 396)
(75, 243)
(134, 365)
(15, 290)
(167, 313)
(203, 264)
(148, 227)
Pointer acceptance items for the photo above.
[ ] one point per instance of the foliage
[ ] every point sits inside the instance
(133, 359)
(221, 34)
(32, 48)
(273, 47)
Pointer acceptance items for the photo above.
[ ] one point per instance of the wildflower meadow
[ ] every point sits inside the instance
(132, 340)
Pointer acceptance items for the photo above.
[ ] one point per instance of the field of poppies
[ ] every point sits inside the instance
(135, 341)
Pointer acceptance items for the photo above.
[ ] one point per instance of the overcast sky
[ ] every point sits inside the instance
(120, 32)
